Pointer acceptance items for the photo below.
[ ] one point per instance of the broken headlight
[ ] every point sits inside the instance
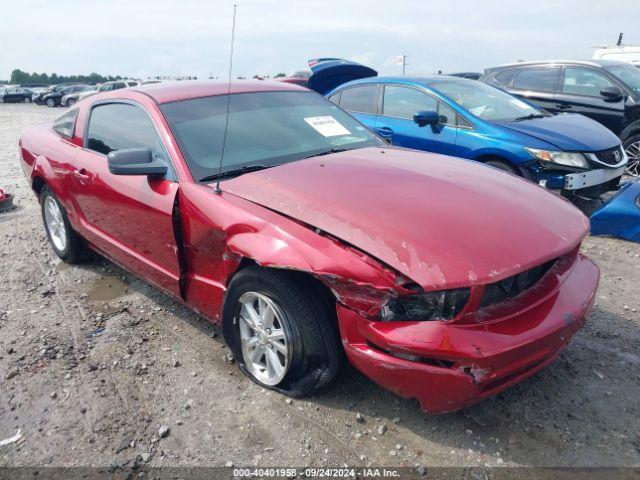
(442, 305)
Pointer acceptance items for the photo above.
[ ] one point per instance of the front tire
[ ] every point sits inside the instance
(27, 99)
(64, 240)
(50, 102)
(500, 165)
(71, 102)
(632, 148)
(282, 331)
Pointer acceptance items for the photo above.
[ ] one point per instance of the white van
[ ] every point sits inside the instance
(619, 51)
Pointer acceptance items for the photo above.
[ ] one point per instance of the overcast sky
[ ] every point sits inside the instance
(142, 38)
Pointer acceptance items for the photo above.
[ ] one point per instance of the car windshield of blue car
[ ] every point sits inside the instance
(486, 102)
(265, 129)
(628, 74)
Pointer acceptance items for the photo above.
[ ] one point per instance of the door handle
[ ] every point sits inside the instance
(563, 106)
(81, 172)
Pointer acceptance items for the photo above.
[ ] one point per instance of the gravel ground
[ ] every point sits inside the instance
(94, 363)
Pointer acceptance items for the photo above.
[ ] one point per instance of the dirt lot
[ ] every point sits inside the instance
(93, 362)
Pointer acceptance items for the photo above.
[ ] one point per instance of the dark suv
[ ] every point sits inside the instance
(606, 90)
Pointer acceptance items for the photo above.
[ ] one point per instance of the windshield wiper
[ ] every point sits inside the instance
(327, 152)
(235, 172)
(530, 116)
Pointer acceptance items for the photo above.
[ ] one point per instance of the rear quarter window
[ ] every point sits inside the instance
(360, 99)
(538, 79)
(505, 77)
(65, 124)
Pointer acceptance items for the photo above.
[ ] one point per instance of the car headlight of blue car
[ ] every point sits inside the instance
(568, 159)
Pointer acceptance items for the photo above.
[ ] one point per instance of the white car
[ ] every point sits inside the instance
(108, 86)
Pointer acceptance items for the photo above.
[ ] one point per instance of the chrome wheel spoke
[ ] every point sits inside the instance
(257, 353)
(280, 347)
(267, 315)
(273, 362)
(633, 152)
(250, 316)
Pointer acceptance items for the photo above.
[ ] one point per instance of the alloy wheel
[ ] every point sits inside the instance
(55, 224)
(264, 338)
(633, 152)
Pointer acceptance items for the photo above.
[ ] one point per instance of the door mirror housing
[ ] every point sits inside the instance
(426, 117)
(135, 161)
(611, 94)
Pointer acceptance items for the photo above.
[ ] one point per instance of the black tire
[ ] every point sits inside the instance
(76, 248)
(27, 100)
(632, 147)
(50, 102)
(316, 354)
(504, 166)
(71, 102)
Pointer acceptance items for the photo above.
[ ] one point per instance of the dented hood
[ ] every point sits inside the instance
(441, 221)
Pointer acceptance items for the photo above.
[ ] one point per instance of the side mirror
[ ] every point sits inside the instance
(426, 117)
(135, 161)
(611, 94)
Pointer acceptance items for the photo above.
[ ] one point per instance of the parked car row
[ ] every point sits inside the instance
(68, 94)
(469, 119)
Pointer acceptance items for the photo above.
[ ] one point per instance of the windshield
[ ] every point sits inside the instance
(628, 74)
(265, 129)
(486, 102)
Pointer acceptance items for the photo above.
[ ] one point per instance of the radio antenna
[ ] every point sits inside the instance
(226, 122)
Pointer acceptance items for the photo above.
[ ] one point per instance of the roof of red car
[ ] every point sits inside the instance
(183, 90)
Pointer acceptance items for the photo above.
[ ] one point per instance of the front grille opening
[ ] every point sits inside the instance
(611, 157)
(513, 286)
(434, 362)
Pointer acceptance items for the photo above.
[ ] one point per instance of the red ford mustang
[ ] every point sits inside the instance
(438, 278)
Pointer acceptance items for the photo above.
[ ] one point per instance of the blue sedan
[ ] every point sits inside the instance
(464, 118)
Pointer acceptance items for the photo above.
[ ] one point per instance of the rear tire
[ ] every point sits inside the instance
(71, 102)
(309, 352)
(64, 240)
(50, 102)
(27, 100)
(632, 147)
(504, 166)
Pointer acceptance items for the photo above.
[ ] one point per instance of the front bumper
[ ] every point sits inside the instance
(577, 181)
(448, 366)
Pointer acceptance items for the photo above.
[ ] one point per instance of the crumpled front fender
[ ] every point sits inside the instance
(219, 232)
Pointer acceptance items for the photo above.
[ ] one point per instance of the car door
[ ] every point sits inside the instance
(361, 101)
(538, 85)
(11, 95)
(580, 93)
(129, 218)
(399, 104)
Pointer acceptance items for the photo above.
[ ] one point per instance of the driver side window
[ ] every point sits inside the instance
(117, 126)
(404, 102)
(581, 81)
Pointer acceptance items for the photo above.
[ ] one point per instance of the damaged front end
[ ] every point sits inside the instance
(487, 347)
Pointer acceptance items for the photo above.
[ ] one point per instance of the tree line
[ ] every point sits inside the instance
(20, 77)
